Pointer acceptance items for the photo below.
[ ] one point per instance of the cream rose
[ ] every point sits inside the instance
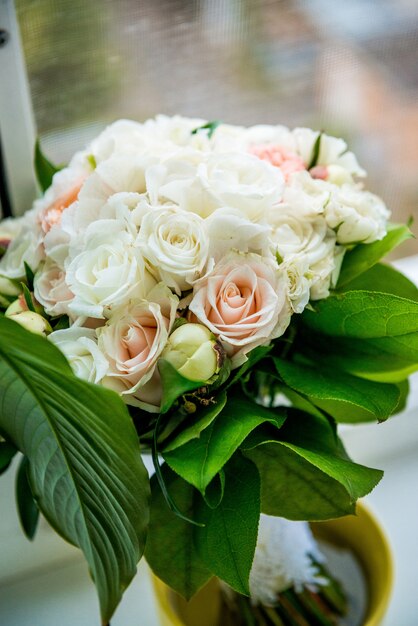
(133, 339)
(203, 183)
(176, 244)
(51, 290)
(109, 271)
(25, 248)
(79, 346)
(357, 216)
(243, 301)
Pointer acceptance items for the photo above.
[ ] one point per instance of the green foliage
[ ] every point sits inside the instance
(226, 543)
(209, 126)
(385, 279)
(7, 452)
(170, 549)
(315, 152)
(199, 460)
(85, 470)
(174, 384)
(44, 169)
(364, 256)
(363, 315)
(306, 474)
(347, 398)
(26, 505)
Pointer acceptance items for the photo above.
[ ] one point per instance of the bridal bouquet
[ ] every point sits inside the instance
(212, 294)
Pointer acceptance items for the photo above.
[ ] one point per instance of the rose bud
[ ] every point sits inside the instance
(7, 287)
(193, 351)
(33, 322)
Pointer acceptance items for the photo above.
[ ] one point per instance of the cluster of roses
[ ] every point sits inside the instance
(232, 229)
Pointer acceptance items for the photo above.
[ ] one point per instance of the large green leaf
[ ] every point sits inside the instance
(44, 169)
(364, 256)
(347, 398)
(384, 359)
(306, 474)
(85, 468)
(363, 315)
(227, 541)
(26, 506)
(385, 279)
(199, 460)
(170, 549)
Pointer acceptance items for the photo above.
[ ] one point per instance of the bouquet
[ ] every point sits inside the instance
(212, 294)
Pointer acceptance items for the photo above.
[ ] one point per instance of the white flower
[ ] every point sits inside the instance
(357, 216)
(283, 559)
(25, 248)
(229, 230)
(293, 235)
(51, 290)
(299, 280)
(243, 301)
(109, 271)
(133, 339)
(79, 346)
(176, 244)
(202, 185)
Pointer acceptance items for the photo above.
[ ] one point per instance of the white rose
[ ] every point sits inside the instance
(79, 346)
(243, 301)
(236, 180)
(229, 230)
(176, 244)
(51, 290)
(304, 197)
(299, 281)
(357, 216)
(133, 339)
(292, 235)
(9, 230)
(25, 248)
(109, 271)
(325, 272)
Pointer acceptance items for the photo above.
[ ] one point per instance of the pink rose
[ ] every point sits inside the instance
(243, 301)
(288, 162)
(51, 290)
(132, 341)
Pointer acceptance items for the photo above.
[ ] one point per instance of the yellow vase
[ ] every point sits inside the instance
(362, 534)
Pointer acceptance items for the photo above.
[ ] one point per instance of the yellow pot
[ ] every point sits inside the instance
(362, 534)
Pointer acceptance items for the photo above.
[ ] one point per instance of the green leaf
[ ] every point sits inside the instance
(197, 422)
(210, 127)
(227, 541)
(347, 398)
(385, 279)
(85, 468)
(306, 474)
(253, 358)
(26, 505)
(363, 315)
(28, 298)
(44, 169)
(170, 549)
(315, 152)
(29, 275)
(364, 256)
(174, 384)
(7, 452)
(385, 359)
(199, 460)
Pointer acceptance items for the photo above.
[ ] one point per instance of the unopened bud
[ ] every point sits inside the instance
(33, 322)
(192, 350)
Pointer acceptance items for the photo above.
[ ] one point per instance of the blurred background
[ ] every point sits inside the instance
(349, 68)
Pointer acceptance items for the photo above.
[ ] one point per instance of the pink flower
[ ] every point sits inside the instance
(243, 301)
(52, 214)
(288, 162)
(132, 341)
